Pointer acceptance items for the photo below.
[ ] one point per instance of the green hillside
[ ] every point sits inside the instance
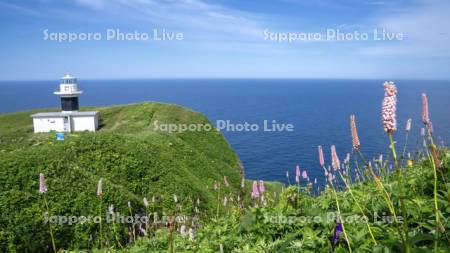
(134, 160)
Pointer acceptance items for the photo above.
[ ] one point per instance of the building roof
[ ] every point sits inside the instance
(64, 114)
(67, 76)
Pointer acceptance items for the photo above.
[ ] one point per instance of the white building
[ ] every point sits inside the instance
(69, 119)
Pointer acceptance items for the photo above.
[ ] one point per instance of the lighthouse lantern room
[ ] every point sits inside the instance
(70, 119)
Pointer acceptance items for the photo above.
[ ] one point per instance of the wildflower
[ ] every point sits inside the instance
(430, 127)
(304, 175)
(145, 202)
(175, 198)
(321, 160)
(335, 163)
(389, 107)
(243, 182)
(425, 115)
(330, 177)
(111, 209)
(99, 187)
(337, 232)
(153, 199)
(183, 231)
(263, 200)
(255, 192)
(198, 201)
(422, 131)
(410, 163)
(262, 188)
(408, 125)
(129, 204)
(297, 174)
(225, 181)
(42, 185)
(347, 158)
(225, 201)
(191, 234)
(355, 138)
(380, 159)
(216, 185)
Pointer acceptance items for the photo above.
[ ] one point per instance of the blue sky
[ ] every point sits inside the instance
(225, 39)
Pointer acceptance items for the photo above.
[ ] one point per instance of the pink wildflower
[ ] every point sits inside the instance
(347, 159)
(255, 192)
(425, 115)
(297, 174)
(330, 177)
(355, 138)
(304, 175)
(321, 160)
(42, 185)
(389, 107)
(145, 202)
(262, 188)
(99, 187)
(408, 125)
(335, 163)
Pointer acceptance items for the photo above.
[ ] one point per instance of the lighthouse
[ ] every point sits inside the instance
(70, 118)
(68, 93)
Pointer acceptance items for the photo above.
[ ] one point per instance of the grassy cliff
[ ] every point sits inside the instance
(133, 159)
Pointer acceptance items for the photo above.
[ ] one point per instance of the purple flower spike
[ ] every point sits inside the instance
(255, 191)
(337, 233)
(262, 188)
(304, 174)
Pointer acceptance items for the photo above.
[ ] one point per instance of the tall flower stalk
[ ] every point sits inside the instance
(407, 130)
(426, 121)
(357, 146)
(43, 190)
(389, 118)
(100, 194)
(335, 160)
(217, 188)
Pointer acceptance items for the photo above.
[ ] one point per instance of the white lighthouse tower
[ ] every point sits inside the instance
(68, 92)
(69, 119)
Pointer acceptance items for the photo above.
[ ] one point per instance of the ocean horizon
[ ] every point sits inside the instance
(318, 110)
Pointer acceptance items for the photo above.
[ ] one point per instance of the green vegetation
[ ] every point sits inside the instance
(134, 161)
(301, 222)
(193, 184)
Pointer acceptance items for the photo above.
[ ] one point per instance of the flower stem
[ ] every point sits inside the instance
(340, 217)
(400, 191)
(339, 212)
(359, 207)
(50, 224)
(382, 190)
(100, 223)
(436, 207)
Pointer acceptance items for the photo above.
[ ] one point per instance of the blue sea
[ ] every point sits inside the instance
(318, 109)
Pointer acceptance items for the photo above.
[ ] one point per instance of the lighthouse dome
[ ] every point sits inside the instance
(68, 87)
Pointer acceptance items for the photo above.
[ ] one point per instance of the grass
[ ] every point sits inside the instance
(134, 160)
(382, 212)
